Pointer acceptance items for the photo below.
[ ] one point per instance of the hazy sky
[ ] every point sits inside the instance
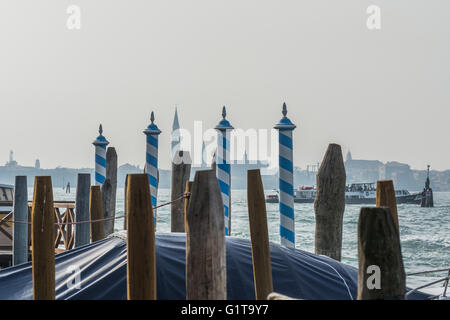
(383, 94)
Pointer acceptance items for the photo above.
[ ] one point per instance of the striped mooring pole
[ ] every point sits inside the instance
(223, 168)
(100, 157)
(286, 180)
(151, 159)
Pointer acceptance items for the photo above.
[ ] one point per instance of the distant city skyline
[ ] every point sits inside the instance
(383, 94)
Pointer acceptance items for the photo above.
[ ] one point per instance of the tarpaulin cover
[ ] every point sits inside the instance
(101, 270)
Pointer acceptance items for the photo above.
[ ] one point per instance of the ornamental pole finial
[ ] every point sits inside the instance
(152, 117)
(224, 112)
(100, 129)
(284, 109)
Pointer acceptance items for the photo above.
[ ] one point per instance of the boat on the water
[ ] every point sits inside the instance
(356, 193)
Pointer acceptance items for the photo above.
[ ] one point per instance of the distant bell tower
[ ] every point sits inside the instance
(175, 136)
(349, 156)
(37, 164)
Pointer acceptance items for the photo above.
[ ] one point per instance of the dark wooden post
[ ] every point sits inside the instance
(181, 170)
(43, 240)
(82, 230)
(125, 204)
(109, 191)
(386, 198)
(141, 256)
(205, 240)
(107, 199)
(96, 213)
(20, 213)
(381, 274)
(186, 202)
(329, 204)
(262, 269)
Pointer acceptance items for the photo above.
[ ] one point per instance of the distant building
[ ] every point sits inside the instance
(37, 164)
(11, 162)
(359, 171)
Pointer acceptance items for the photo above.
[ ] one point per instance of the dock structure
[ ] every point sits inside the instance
(223, 167)
(151, 159)
(286, 180)
(100, 157)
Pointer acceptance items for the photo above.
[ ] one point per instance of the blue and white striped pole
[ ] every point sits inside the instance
(151, 160)
(223, 168)
(286, 180)
(100, 157)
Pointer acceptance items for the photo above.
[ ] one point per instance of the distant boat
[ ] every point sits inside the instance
(356, 193)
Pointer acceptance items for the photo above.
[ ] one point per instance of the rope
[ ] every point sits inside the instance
(4, 220)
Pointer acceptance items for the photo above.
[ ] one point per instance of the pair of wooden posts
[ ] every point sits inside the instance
(378, 229)
(43, 237)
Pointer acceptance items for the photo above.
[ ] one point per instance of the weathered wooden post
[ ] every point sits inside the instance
(181, 170)
(286, 179)
(20, 230)
(43, 240)
(381, 274)
(262, 269)
(329, 204)
(186, 202)
(223, 166)
(82, 230)
(205, 240)
(386, 198)
(96, 213)
(125, 204)
(109, 192)
(141, 256)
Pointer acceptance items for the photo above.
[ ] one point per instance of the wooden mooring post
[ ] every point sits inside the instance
(20, 230)
(262, 270)
(125, 203)
(109, 190)
(82, 230)
(186, 201)
(381, 274)
(181, 170)
(96, 213)
(42, 240)
(386, 198)
(205, 240)
(141, 254)
(329, 204)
